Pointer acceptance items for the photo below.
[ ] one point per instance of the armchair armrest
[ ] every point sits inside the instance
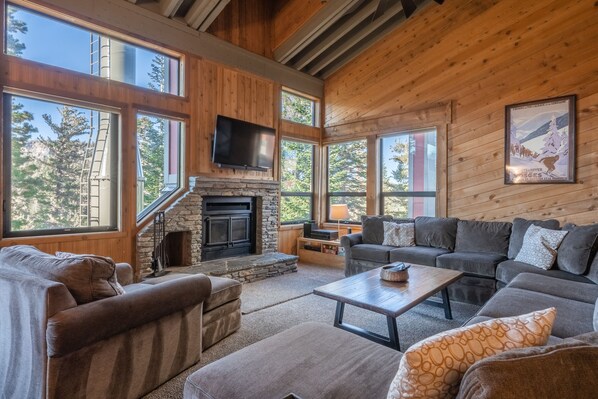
(124, 273)
(78, 327)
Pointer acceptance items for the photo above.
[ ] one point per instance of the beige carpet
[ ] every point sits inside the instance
(271, 308)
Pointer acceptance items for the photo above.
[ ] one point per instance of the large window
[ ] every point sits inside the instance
(37, 37)
(60, 167)
(159, 160)
(296, 181)
(299, 109)
(408, 178)
(347, 177)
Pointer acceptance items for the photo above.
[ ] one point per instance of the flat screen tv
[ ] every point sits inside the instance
(243, 145)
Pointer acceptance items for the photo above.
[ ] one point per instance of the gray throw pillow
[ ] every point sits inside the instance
(86, 278)
(372, 229)
(480, 236)
(540, 246)
(578, 248)
(436, 232)
(519, 228)
(596, 316)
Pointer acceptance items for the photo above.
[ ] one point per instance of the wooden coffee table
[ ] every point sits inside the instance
(392, 299)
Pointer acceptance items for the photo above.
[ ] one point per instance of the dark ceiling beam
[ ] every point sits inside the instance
(354, 39)
(169, 7)
(203, 12)
(313, 28)
(336, 35)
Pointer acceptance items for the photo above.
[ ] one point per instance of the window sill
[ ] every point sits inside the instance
(61, 238)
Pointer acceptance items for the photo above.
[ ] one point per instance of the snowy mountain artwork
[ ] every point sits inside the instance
(539, 141)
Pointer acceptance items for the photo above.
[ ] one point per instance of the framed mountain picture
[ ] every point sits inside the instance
(540, 141)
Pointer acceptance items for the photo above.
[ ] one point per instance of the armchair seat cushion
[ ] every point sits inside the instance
(473, 263)
(509, 269)
(419, 255)
(371, 252)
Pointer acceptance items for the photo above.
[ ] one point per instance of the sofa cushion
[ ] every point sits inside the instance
(399, 234)
(433, 368)
(87, 278)
(519, 228)
(573, 317)
(112, 280)
(475, 263)
(436, 232)
(596, 315)
(509, 269)
(372, 253)
(223, 290)
(479, 236)
(311, 360)
(592, 274)
(372, 229)
(419, 255)
(578, 248)
(540, 246)
(522, 373)
(582, 292)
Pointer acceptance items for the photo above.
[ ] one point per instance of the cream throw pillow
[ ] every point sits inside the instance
(434, 367)
(399, 234)
(539, 246)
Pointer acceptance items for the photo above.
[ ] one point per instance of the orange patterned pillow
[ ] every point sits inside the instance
(433, 368)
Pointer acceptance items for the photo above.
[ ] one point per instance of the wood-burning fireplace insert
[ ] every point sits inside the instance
(228, 227)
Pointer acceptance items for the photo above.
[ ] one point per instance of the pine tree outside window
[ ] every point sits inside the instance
(159, 161)
(408, 174)
(298, 109)
(41, 38)
(296, 181)
(347, 178)
(61, 167)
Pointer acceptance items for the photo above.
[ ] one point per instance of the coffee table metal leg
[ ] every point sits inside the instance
(392, 341)
(447, 304)
(338, 316)
(393, 333)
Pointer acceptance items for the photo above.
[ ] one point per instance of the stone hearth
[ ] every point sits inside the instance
(246, 268)
(184, 215)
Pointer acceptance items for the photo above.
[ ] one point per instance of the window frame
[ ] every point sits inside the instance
(158, 202)
(330, 194)
(403, 194)
(99, 30)
(116, 194)
(315, 107)
(302, 194)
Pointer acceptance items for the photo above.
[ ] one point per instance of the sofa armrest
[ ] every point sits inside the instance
(124, 273)
(78, 327)
(351, 239)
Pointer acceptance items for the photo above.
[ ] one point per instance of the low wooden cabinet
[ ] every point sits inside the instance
(320, 252)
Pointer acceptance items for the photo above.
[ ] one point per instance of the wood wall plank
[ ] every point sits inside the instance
(290, 15)
(247, 24)
(483, 55)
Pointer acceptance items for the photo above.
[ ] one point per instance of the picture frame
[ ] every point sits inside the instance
(540, 141)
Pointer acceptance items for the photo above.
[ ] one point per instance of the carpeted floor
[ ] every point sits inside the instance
(278, 303)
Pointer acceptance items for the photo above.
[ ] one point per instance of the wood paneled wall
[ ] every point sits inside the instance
(481, 56)
(290, 15)
(225, 91)
(247, 24)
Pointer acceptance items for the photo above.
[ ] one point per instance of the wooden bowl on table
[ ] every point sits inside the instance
(396, 272)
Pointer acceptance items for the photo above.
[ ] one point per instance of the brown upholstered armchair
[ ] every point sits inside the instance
(117, 347)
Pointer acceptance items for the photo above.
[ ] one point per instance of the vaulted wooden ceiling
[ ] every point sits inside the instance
(313, 36)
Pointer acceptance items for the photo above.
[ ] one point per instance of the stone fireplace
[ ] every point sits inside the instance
(186, 218)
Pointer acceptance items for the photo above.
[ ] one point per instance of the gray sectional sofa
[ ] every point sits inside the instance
(484, 251)
(316, 360)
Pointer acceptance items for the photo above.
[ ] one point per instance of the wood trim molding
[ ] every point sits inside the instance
(434, 116)
(140, 23)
